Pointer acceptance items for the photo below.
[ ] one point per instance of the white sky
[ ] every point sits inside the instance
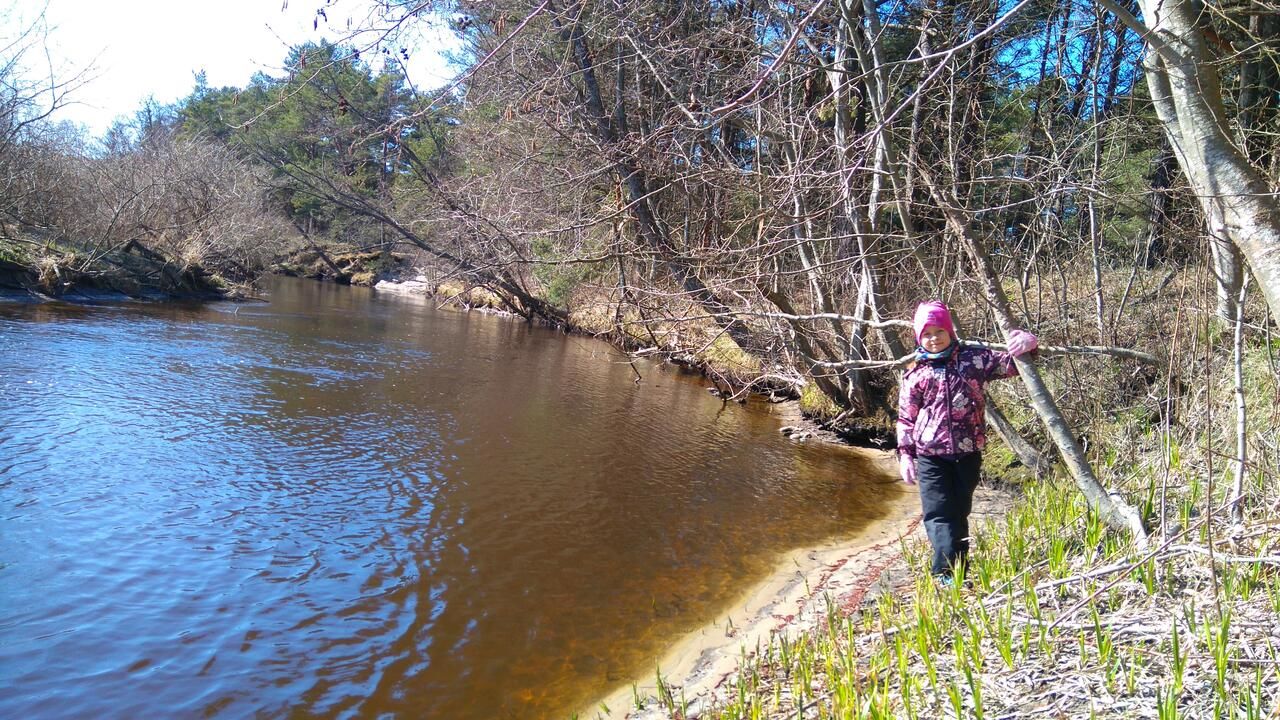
(133, 49)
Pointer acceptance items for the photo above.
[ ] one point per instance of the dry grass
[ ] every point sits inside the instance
(1061, 619)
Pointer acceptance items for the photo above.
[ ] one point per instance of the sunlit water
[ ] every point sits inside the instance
(350, 504)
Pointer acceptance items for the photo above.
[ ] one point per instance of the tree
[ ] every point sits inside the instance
(332, 116)
(1186, 91)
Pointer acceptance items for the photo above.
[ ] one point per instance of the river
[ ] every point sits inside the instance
(343, 503)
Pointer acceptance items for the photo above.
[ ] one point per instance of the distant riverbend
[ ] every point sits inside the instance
(344, 503)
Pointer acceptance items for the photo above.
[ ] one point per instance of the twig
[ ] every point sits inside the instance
(1164, 547)
(1120, 352)
(1218, 556)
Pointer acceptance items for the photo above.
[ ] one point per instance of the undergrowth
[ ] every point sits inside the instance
(1058, 617)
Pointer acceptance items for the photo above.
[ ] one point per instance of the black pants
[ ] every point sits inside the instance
(946, 497)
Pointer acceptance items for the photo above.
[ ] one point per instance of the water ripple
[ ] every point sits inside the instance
(341, 505)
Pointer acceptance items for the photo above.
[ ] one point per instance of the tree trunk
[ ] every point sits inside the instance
(1259, 85)
(1225, 262)
(822, 379)
(1157, 242)
(607, 131)
(1187, 95)
(1242, 411)
(1116, 513)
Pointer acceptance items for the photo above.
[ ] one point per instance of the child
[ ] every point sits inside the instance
(941, 429)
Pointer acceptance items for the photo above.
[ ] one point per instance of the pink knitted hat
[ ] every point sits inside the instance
(933, 312)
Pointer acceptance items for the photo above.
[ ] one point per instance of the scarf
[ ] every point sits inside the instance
(938, 356)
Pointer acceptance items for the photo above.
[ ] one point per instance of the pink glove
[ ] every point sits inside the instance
(907, 469)
(1022, 342)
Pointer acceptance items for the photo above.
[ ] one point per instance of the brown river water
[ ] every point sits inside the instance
(350, 504)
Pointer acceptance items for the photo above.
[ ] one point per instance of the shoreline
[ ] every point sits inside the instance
(730, 380)
(850, 571)
(93, 296)
(793, 598)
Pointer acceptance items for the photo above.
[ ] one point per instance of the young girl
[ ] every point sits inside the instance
(941, 429)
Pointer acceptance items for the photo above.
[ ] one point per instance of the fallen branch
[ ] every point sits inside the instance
(877, 324)
(1120, 352)
(1220, 557)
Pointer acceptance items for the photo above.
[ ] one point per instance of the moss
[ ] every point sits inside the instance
(12, 252)
(596, 316)
(458, 292)
(449, 288)
(723, 355)
(480, 297)
(815, 404)
(999, 462)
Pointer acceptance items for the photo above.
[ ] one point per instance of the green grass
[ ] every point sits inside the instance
(1056, 600)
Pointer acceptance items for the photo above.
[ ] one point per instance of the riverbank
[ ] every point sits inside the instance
(96, 296)
(733, 373)
(1059, 616)
(345, 266)
(845, 576)
(132, 273)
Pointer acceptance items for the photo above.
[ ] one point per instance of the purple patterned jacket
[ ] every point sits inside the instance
(940, 403)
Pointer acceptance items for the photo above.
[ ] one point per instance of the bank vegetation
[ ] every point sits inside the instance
(142, 210)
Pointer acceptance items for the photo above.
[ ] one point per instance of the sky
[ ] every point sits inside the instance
(129, 50)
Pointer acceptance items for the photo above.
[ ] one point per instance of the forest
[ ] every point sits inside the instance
(763, 191)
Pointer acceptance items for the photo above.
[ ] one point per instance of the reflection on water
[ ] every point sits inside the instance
(342, 503)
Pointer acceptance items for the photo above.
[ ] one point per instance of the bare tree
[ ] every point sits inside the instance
(1185, 86)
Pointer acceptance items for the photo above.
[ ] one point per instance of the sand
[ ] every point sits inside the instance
(793, 599)
(849, 572)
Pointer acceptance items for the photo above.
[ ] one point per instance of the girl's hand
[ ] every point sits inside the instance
(1022, 342)
(907, 469)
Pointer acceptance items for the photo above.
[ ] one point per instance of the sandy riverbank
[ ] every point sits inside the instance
(794, 598)
(850, 572)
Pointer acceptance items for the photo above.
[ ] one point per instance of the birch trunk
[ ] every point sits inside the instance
(1187, 95)
(1242, 411)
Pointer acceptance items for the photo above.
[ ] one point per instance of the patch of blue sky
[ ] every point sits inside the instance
(118, 55)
